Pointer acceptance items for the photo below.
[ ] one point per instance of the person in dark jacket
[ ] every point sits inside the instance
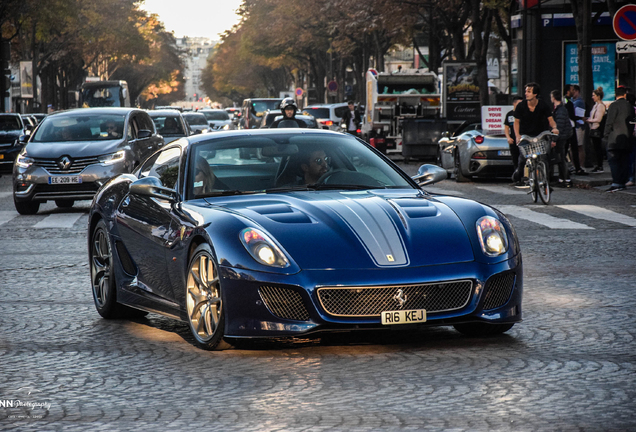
(351, 118)
(564, 127)
(617, 134)
(288, 107)
(572, 143)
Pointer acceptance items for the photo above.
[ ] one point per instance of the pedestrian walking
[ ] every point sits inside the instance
(572, 146)
(580, 127)
(617, 134)
(509, 122)
(565, 129)
(595, 121)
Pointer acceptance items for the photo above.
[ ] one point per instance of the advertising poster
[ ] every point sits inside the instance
(26, 79)
(603, 66)
(461, 91)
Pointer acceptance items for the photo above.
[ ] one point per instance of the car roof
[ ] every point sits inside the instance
(164, 113)
(327, 105)
(98, 111)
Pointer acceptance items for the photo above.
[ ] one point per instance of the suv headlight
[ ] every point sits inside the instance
(262, 248)
(23, 161)
(112, 158)
(492, 236)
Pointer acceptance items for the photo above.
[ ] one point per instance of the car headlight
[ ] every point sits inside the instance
(23, 161)
(492, 236)
(226, 127)
(112, 158)
(262, 248)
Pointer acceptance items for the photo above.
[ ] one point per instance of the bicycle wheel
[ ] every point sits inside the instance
(532, 181)
(543, 182)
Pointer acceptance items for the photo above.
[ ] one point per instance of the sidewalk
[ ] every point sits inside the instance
(600, 181)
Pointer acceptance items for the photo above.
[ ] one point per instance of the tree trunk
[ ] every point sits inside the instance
(581, 10)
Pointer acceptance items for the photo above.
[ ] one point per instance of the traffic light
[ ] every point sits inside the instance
(6, 84)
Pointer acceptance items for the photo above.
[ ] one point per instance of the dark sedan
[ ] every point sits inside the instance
(294, 232)
(12, 131)
(72, 153)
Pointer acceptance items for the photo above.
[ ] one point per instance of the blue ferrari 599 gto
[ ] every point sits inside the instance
(289, 232)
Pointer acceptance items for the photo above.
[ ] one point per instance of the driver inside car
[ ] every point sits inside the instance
(314, 165)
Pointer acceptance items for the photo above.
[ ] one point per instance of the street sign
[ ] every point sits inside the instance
(625, 23)
(625, 47)
(299, 92)
(332, 86)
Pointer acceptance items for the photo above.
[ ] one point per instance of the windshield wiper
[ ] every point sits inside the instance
(342, 186)
(229, 192)
(289, 189)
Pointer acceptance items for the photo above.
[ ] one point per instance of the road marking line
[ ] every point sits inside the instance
(600, 213)
(6, 216)
(59, 220)
(540, 218)
(504, 190)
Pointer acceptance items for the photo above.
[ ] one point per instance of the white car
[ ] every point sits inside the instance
(328, 116)
(218, 119)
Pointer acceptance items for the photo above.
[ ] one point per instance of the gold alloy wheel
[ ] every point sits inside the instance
(203, 301)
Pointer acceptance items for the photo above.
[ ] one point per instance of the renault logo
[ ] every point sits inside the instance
(400, 297)
(64, 162)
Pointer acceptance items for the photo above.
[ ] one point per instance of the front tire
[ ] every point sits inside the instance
(482, 329)
(204, 304)
(543, 182)
(27, 207)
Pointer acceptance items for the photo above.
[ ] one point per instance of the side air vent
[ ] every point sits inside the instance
(125, 259)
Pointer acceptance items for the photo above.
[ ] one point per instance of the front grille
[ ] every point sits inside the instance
(77, 165)
(80, 187)
(372, 301)
(498, 290)
(284, 303)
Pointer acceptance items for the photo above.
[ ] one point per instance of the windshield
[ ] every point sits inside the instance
(259, 107)
(9, 123)
(319, 113)
(101, 96)
(168, 125)
(286, 162)
(215, 115)
(80, 126)
(194, 119)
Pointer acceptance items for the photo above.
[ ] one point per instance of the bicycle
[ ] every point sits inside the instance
(536, 151)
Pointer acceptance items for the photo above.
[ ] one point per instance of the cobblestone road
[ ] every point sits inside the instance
(570, 366)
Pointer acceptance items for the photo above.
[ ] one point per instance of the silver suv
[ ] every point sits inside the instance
(328, 116)
(73, 153)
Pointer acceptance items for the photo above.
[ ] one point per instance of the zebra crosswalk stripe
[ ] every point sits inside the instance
(59, 220)
(540, 218)
(600, 213)
(6, 216)
(504, 190)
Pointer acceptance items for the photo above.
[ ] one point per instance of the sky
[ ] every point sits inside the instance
(195, 18)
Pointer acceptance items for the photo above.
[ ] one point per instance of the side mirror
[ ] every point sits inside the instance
(23, 139)
(429, 174)
(144, 134)
(152, 187)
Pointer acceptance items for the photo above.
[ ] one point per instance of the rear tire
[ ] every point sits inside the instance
(104, 284)
(27, 207)
(459, 176)
(482, 329)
